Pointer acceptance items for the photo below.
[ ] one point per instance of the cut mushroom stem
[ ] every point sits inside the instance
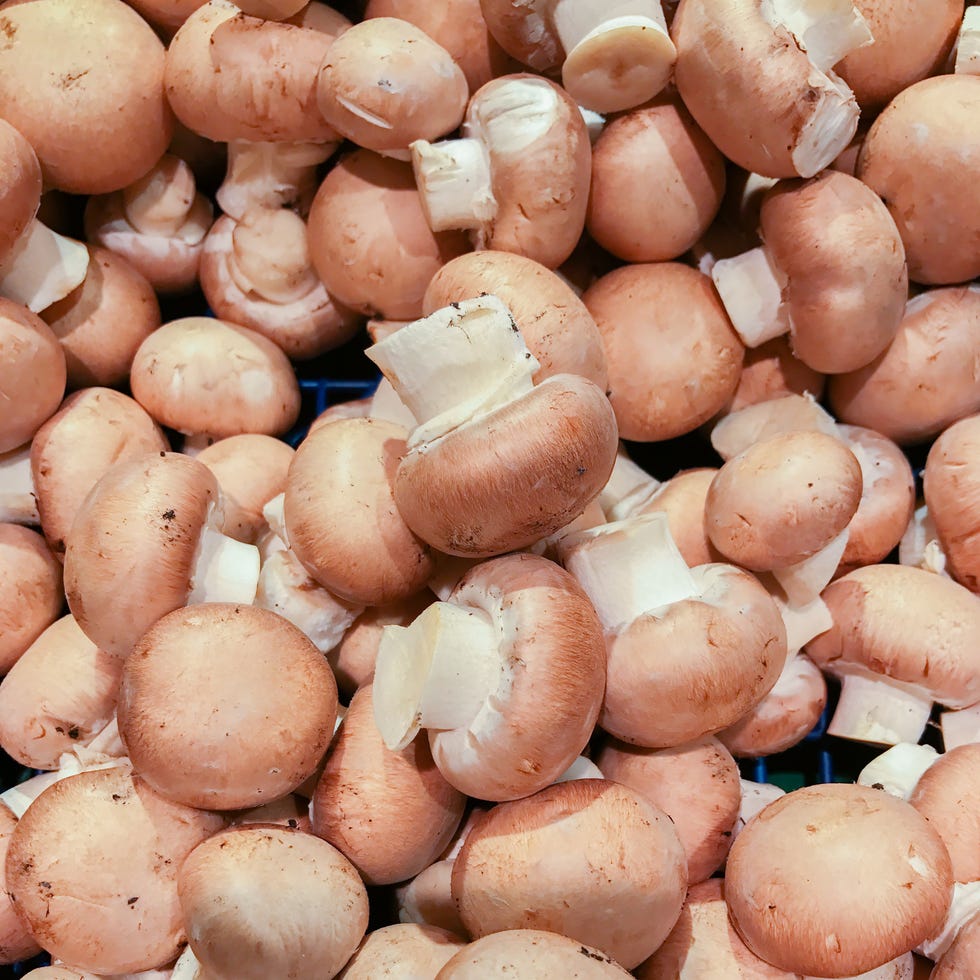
(920, 545)
(628, 488)
(802, 622)
(454, 181)
(964, 906)
(274, 513)
(581, 768)
(436, 673)
(826, 30)
(43, 268)
(18, 504)
(873, 708)
(804, 581)
(755, 798)
(897, 770)
(629, 568)
(960, 727)
(225, 570)
(968, 44)
(752, 289)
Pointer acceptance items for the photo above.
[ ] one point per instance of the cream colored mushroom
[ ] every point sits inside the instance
(401, 952)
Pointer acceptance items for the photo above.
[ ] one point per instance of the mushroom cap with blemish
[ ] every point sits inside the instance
(265, 901)
(16, 941)
(92, 866)
(588, 858)
(907, 624)
(557, 328)
(224, 706)
(782, 500)
(30, 591)
(96, 123)
(202, 375)
(404, 950)
(111, 426)
(695, 784)
(784, 873)
(20, 187)
(130, 553)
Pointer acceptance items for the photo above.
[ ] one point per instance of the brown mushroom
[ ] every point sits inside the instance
(402, 951)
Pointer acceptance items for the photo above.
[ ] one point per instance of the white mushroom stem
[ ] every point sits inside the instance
(457, 364)
(271, 175)
(920, 545)
(900, 968)
(591, 517)
(455, 183)
(43, 268)
(107, 743)
(755, 798)
(802, 623)
(595, 122)
(804, 581)
(274, 514)
(449, 569)
(968, 44)
(628, 568)
(18, 505)
(581, 768)
(628, 488)
(224, 570)
(960, 727)
(755, 423)
(826, 30)
(965, 905)
(436, 673)
(19, 798)
(874, 708)
(285, 588)
(196, 442)
(899, 769)
(386, 405)
(187, 967)
(752, 287)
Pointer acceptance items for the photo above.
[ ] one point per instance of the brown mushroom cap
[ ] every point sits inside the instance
(588, 858)
(95, 123)
(696, 785)
(30, 591)
(812, 487)
(256, 901)
(20, 187)
(952, 491)
(784, 871)
(102, 322)
(961, 961)
(674, 359)
(660, 147)
(16, 942)
(224, 706)
(770, 371)
(524, 34)
(92, 866)
(32, 374)
(402, 951)
(202, 375)
(369, 240)
(919, 156)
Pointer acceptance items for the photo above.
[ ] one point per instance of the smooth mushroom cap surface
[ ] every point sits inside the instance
(16, 942)
(428, 900)
(402, 952)
(20, 187)
(770, 371)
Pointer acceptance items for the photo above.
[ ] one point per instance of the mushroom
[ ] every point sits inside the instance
(427, 899)
(898, 768)
(256, 901)
(968, 44)
(628, 488)
(960, 727)
(291, 811)
(223, 707)
(831, 271)
(92, 867)
(507, 676)
(16, 941)
(782, 881)
(961, 960)
(757, 78)
(589, 859)
(920, 546)
(673, 357)
(18, 505)
(403, 950)
(770, 371)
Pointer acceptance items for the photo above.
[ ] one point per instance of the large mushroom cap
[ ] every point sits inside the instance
(16, 942)
(20, 187)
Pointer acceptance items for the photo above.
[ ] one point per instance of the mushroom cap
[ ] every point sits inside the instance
(531, 953)
(385, 83)
(341, 517)
(20, 187)
(524, 34)
(130, 553)
(224, 706)
(782, 500)
(96, 123)
(111, 426)
(166, 14)
(952, 492)
(532, 728)
(674, 358)
(30, 591)
(770, 371)
(553, 450)
(369, 240)
(948, 796)
(251, 469)
(16, 942)
(660, 147)
(263, 902)
(428, 900)
(404, 950)
(907, 624)
(589, 859)
(101, 323)
(92, 866)
(842, 255)
(784, 871)
(59, 695)
(557, 328)
(696, 785)
(962, 959)
(926, 379)
(919, 156)
(32, 374)
(202, 375)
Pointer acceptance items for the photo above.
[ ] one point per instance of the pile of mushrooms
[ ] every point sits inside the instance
(673, 463)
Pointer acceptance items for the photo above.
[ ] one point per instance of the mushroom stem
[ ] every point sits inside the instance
(628, 568)
(920, 545)
(436, 673)
(965, 905)
(43, 268)
(628, 488)
(187, 966)
(386, 405)
(874, 708)
(195, 443)
(804, 581)
(581, 768)
(225, 570)
(826, 30)
(960, 727)
(449, 569)
(460, 362)
(454, 182)
(751, 287)
(968, 44)
(898, 770)
(578, 20)
(900, 968)
(802, 622)
(18, 504)
(755, 798)
(274, 513)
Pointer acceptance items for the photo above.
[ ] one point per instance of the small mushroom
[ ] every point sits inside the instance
(402, 951)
